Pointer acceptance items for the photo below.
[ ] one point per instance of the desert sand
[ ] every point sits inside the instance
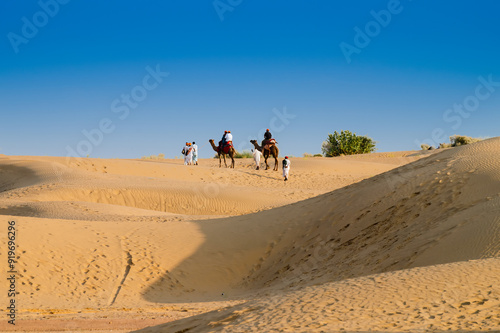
(403, 241)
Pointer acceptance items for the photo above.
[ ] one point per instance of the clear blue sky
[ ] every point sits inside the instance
(65, 66)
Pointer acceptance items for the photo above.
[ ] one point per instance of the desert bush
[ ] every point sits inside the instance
(154, 157)
(425, 146)
(445, 145)
(347, 143)
(306, 155)
(317, 155)
(243, 154)
(460, 140)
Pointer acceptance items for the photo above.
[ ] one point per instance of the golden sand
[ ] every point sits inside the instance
(398, 241)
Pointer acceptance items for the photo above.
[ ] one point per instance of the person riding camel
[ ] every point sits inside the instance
(268, 140)
(226, 142)
(268, 135)
(224, 137)
(229, 138)
(222, 142)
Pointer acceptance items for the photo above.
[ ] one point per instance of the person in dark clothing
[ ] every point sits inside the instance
(222, 142)
(267, 135)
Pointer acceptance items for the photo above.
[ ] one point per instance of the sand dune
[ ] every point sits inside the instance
(459, 296)
(379, 241)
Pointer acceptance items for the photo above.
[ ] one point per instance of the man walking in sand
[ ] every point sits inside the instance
(256, 157)
(286, 168)
(185, 151)
(195, 153)
(189, 156)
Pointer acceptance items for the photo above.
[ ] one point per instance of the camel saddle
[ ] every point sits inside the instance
(226, 148)
(266, 144)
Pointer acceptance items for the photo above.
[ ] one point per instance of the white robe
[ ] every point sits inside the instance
(286, 170)
(186, 149)
(195, 153)
(256, 157)
(189, 156)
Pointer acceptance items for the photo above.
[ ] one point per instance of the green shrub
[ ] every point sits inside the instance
(317, 155)
(460, 140)
(347, 143)
(445, 145)
(154, 157)
(243, 154)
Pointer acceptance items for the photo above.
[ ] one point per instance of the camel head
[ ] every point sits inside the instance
(256, 145)
(213, 145)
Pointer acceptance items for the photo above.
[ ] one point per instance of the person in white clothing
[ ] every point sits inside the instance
(185, 151)
(195, 153)
(256, 157)
(229, 137)
(189, 156)
(286, 168)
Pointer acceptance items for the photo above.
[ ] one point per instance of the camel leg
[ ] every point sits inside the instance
(224, 155)
(220, 161)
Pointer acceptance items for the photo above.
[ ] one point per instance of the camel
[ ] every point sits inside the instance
(273, 150)
(231, 154)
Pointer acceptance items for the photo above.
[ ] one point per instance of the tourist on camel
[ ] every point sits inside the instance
(222, 142)
(267, 135)
(227, 141)
(229, 138)
(268, 139)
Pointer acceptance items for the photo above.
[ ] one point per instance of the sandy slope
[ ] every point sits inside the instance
(460, 296)
(152, 238)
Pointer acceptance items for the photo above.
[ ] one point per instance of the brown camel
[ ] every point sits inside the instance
(221, 153)
(273, 150)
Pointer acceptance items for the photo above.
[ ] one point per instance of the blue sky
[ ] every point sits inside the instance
(240, 65)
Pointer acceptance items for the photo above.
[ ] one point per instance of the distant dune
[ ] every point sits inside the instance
(385, 242)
